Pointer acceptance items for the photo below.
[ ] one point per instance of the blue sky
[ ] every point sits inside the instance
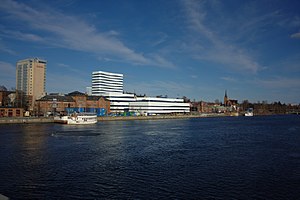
(169, 47)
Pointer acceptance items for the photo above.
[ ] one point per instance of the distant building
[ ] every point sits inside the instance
(119, 102)
(110, 85)
(5, 99)
(72, 102)
(54, 103)
(8, 105)
(11, 112)
(229, 102)
(31, 79)
(159, 105)
(104, 82)
(88, 91)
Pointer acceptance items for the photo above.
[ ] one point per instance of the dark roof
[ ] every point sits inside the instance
(3, 88)
(7, 92)
(94, 98)
(76, 93)
(57, 97)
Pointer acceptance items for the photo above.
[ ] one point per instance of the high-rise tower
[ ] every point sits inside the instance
(105, 82)
(31, 78)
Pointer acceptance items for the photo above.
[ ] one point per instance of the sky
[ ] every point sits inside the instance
(177, 48)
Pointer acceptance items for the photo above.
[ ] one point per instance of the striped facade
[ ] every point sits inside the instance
(158, 105)
(119, 102)
(104, 82)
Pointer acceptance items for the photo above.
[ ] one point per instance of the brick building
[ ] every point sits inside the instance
(8, 106)
(11, 112)
(72, 102)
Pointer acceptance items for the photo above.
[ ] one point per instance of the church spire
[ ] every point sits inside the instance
(225, 98)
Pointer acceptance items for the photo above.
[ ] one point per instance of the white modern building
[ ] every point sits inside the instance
(158, 105)
(110, 85)
(119, 102)
(105, 82)
(88, 91)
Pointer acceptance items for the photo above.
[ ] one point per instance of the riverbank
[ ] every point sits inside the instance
(24, 120)
(121, 118)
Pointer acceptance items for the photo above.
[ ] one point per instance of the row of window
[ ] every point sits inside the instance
(107, 82)
(107, 78)
(107, 75)
(99, 85)
(10, 113)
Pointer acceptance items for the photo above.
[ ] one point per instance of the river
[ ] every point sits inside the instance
(200, 158)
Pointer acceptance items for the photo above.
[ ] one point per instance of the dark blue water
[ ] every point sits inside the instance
(204, 158)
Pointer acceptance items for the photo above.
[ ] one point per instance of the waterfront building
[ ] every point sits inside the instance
(72, 102)
(88, 91)
(127, 102)
(105, 82)
(31, 79)
(159, 105)
(54, 103)
(9, 105)
(119, 102)
(229, 102)
(110, 85)
(11, 112)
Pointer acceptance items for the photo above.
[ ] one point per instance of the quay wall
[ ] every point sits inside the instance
(23, 120)
(156, 117)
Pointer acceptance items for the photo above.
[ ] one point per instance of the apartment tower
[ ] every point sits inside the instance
(31, 78)
(106, 82)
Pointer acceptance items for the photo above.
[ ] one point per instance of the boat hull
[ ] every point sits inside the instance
(77, 119)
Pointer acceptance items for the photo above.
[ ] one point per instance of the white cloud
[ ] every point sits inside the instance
(23, 36)
(296, 35)
(216, 49)
(7, 69)
(74, 33)
(65, 83)
(161, 38)
(279, 83)
(69, 68)
(154, 88)
(161, 61)
(5, 49)
(7, 74)
(229, 79)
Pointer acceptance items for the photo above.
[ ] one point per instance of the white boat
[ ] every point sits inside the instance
(249, 112)
(77, 118)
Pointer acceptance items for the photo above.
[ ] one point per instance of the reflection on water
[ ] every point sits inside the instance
(208, 158)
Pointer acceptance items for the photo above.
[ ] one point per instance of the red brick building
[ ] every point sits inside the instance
(74, 101)
(11, 112)
(8, 106)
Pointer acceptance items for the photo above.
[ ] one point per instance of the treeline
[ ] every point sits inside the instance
(265, 108)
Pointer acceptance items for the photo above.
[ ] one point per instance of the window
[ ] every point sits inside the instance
(10, 112)
(18, 113)
(2, 113)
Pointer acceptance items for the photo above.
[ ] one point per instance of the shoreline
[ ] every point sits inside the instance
(157, 117)
(32, 120)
